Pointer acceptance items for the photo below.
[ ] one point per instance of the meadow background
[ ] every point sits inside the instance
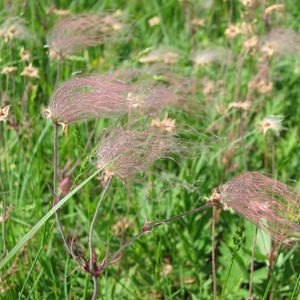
(173, 262)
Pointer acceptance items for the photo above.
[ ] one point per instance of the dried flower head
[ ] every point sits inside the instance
(210, 55)
(125, 153)
(75, 33)
(264, 86)
(154, 21)
(25, 54)
(268, 203)
(282, 41)
(4, 113)
(86, 97)
(8, 70)
(165, 125)
(30, 71)
(163, 55)
(249, 3)
(273, 123)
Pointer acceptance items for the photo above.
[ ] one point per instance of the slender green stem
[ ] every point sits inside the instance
(4, 250)
(227, 278)
(295, 288)
(94, 221)
(252, 263)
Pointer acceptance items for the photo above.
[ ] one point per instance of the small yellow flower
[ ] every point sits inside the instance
(30, 71)
(268, 49)
(4, 113)
(8, 70)
(154, 21)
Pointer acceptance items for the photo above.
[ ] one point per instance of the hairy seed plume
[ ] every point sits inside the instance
(74, 33)
(131, 152)
(266, 202)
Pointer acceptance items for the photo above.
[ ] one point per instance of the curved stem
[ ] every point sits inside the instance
(55, 171)
(213, 256)
(96, 288)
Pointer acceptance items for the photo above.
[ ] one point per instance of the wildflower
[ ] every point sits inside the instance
(210, 55)
(274, 8)
(125, 153)
(167, 124)
(154, 21)
(273, 123)
(30, 71)
(58, 12)
(268, 203)
(264, 87)
(249, 3)
(4, 113)
(75, 33)
(198, 22)
(251, 43)
(283, 41)
(25, 54)
(164, 55)
(86, 97)
(14, 28)
(8, 70)
(245, 105)
(232, 31)
(268, 49)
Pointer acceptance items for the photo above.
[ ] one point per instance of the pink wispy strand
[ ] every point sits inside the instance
(268, 203)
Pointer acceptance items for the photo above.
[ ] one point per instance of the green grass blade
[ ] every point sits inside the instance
(43, 220)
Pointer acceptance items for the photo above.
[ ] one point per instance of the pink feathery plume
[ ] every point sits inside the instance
(266, 202)
(74, 33)
(125, 153)
(86, 97)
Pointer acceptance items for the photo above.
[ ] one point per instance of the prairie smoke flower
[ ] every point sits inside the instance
(232, 31)
(25, 54)
(74, 33)
(274, 8)
(268, 203)
(245, 105)
(58, 12)
(264, 87)
(283, 41)
(30, 71)
(273, 123)
(251, 43)
(14, 28)
(8, 70)
(126, 153)
(154, 21)
(198, 22)
(86, 97)
(210, 55)
(165, 125)
(163, 55)
(4, 113)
